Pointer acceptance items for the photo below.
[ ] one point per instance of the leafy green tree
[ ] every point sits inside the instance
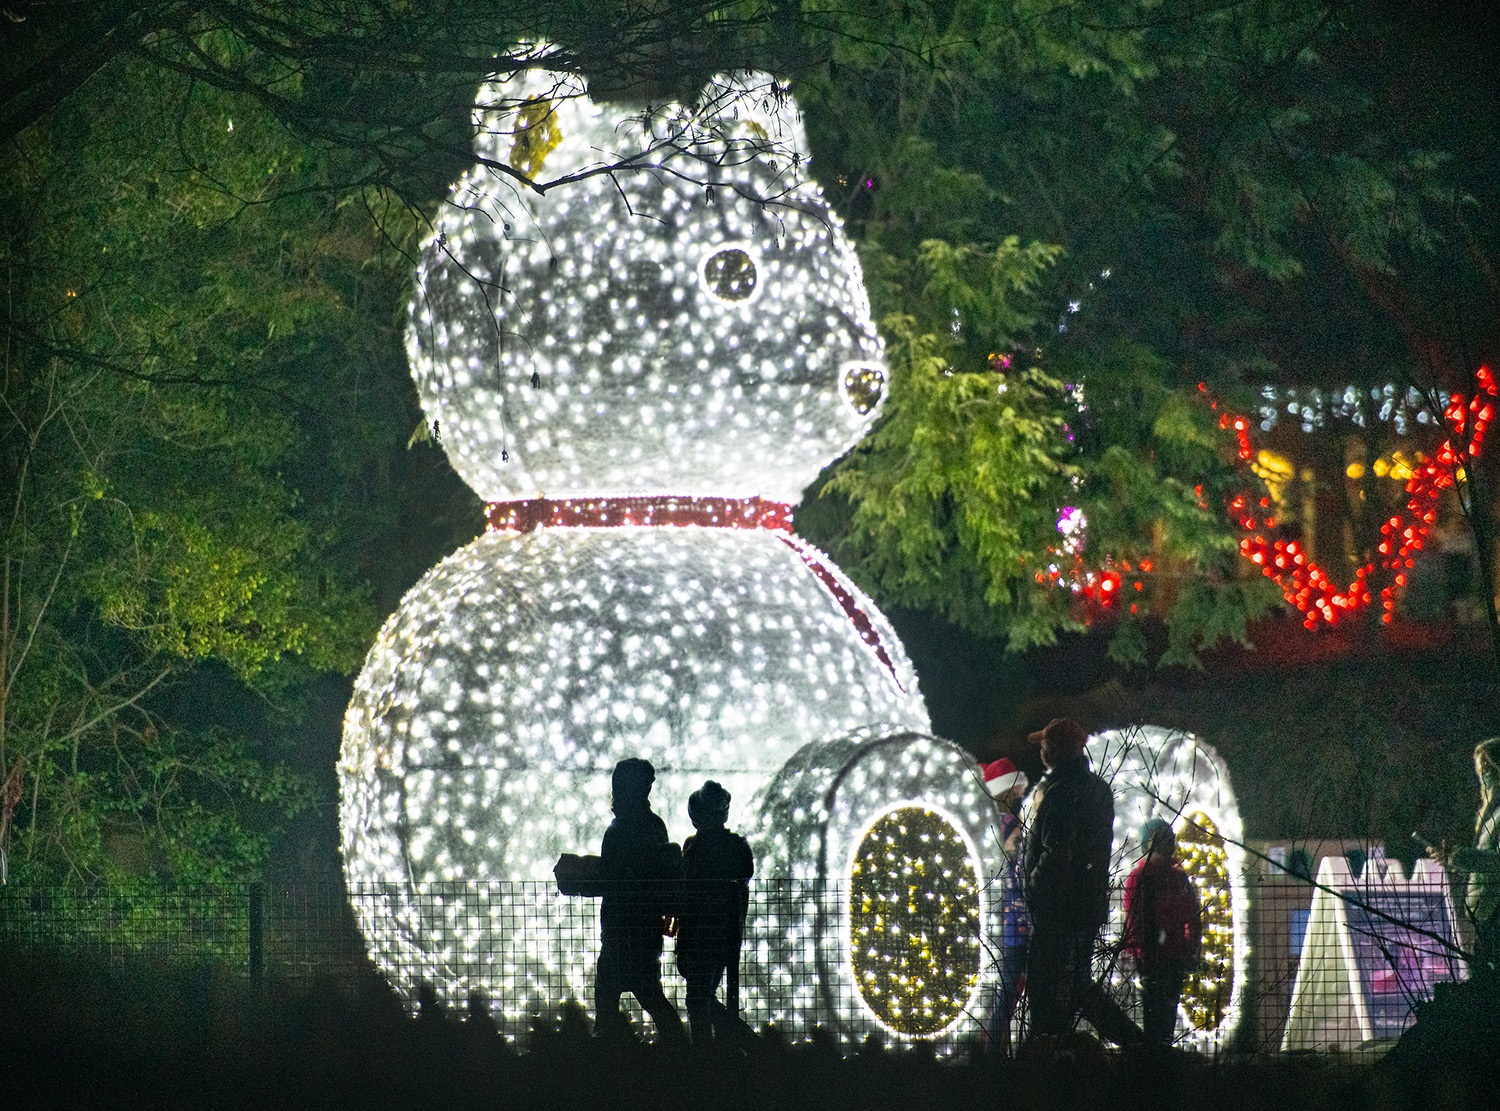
(192, 385)
(1219, 196)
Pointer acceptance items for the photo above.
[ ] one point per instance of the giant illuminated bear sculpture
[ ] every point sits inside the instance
(640, 371)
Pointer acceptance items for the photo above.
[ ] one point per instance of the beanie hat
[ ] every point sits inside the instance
(709, 803)
(1156, 830)
(1001, 775)
(632, 779)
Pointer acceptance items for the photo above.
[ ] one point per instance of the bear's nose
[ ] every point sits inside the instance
(864, 386)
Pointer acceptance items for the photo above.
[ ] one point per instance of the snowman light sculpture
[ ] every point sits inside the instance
(639, 372)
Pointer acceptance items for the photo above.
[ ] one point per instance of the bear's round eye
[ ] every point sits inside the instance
(863, 387)
(730, 274)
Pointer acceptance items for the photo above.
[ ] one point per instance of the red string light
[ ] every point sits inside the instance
(672, 511)
(1303, 583)
(639, 512)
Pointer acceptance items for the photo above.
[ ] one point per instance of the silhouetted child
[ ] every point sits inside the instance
(1163, 929)
(717, 866)
(641, 864)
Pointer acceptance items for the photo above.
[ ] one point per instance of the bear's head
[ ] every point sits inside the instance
(681, 313)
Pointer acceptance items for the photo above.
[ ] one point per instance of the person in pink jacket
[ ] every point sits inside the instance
(1163, 929)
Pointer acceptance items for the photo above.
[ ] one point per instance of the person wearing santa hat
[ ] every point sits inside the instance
(1007, 784)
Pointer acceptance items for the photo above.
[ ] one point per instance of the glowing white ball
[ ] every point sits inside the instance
(496, 700)
(694, 323)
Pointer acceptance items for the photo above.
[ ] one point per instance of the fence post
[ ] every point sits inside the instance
(257, 917)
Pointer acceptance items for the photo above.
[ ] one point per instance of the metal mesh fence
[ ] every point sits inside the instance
(1339, 962)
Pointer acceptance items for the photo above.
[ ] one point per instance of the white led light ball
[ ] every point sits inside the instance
(1164, 773)
(693, 323)
(515, 675)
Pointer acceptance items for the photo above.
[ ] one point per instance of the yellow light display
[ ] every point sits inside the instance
(914, 921)
(1207, 991)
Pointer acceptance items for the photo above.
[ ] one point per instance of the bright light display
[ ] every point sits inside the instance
(519, 670)
(693, 324)
(1163, 773)
(833, 817)
(914, 921)
(639, 371)
(1207, 992)
(1306, 585)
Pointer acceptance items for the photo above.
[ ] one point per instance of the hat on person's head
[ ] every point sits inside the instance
(1156, 831)
(632, 779)
(1063, 731)
(1001, 775)
(709, 803)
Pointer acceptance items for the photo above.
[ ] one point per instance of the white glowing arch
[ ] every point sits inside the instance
(1166, 773)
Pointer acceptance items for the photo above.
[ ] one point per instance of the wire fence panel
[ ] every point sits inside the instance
(1337, 962)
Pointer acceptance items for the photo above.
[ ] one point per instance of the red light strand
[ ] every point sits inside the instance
(1303, 583)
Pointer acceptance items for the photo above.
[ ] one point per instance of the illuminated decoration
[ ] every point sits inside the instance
(524, 516)
(1303, 583)
(1375, 948)
(1073, 525)
(1162, 773)
(817, 817)
(1311, 407)
(691, 319)
(730, 275)
(914, 909)
(864, 386)
(1208, 989)
(639, 372)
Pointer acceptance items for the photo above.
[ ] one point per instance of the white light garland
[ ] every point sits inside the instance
(574, 341)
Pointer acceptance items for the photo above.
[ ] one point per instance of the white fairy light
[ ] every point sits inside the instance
(656, 371)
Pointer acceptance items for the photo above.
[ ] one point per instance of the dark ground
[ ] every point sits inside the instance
(81, 1036)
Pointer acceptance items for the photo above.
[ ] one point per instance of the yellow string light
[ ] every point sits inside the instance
(1206, 992)
(914, 921)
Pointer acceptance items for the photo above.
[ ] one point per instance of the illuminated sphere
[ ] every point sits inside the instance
(694, 324)
(1164, 773)
(515, 675)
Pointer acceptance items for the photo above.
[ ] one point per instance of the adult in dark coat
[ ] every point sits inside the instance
(640, 864)
(1066, 879)
(716, 867)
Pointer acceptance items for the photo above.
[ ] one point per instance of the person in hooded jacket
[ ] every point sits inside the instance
(1163, 929)
(716, 867)
(641, 866)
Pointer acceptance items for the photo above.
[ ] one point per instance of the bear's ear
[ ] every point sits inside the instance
(756, 109)
(524, 119)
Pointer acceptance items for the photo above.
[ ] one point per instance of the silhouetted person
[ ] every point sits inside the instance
(1482, 862)
(1163, 929)
(1007, 784)
(717, 866)
(639, 863)
(1066, 877)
